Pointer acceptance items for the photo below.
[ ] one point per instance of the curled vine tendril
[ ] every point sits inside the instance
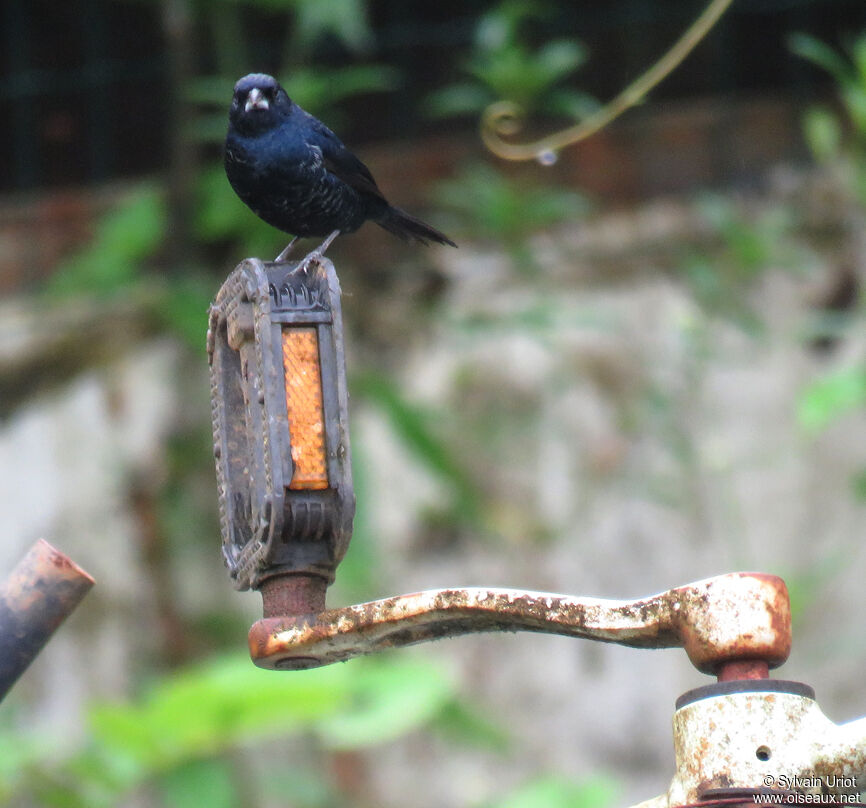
(504, 119)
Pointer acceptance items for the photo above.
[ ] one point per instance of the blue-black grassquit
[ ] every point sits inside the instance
(296, 174)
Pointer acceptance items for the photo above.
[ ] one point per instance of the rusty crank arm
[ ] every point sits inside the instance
(734, 626)
(283, 463)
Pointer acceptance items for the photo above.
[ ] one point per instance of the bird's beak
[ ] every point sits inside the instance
(255, 100)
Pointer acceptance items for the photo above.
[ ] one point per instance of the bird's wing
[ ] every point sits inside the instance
(343, 164)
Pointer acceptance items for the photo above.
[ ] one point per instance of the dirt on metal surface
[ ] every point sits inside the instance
(736, 617)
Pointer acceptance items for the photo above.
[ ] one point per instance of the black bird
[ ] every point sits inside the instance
(295, 173)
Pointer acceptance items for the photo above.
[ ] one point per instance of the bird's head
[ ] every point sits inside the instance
(258, 104)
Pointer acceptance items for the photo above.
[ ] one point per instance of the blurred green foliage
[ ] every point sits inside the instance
(831, 397)
(837, 138)
(415, 428)
(557, 792)
(124, 237)
(185, 724)
(179, 739)
(833, 136)
(721, 276)
(504, 67)
(483, 203)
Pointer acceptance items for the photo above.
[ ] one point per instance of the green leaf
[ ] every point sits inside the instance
(358, 570)
(559, 58)
(750, 242)
(506, 67)
(317, 90)
(509, 73)
(198, 783)
(822, 55)
(220, 213)
(390, 697)
(17, 754)
(571, 103)
(464, 724)
(498, 28)
(211, 90)
(207, 128)
(345, 19)
(208, 708)
(823, 133)
(298, 788)
(552, 791)
(854, 99)
(858, 58)
(491, 205)
(413, 427)
(458, 99)
(126, 235)
(184, 305)
(825, 400)
(174, 734)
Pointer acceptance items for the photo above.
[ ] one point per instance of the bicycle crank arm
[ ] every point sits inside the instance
(734, 626)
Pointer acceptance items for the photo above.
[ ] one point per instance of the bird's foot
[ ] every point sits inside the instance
(281, 258)
(310, 259)
(304, 266)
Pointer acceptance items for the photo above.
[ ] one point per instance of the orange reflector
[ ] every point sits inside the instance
(304, 404)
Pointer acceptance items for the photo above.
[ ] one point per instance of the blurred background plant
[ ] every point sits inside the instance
(839, 135)
(722, 276)
(836, 136)
(185, 737)
(485, 203)
(644, 365)
(504, 67)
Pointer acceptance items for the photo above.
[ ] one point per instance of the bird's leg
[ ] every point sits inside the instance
(316, 255)
(285, 253)
(310, 258)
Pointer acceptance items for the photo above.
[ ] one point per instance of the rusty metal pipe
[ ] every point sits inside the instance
(740, 669)
(39, 594)
(292, 594)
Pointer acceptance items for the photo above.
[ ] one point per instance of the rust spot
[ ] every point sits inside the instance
(744, 669)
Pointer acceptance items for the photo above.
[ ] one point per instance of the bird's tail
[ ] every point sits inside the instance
(409, 228)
